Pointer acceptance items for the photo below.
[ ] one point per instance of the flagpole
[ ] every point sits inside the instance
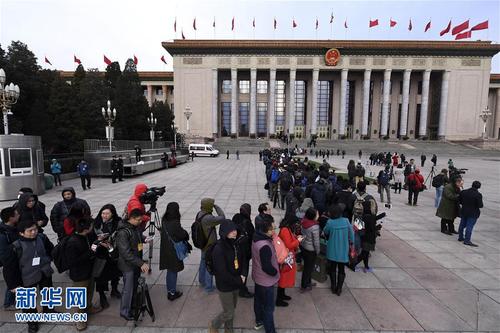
(331, 30)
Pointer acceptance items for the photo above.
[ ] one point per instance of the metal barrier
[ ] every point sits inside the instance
(118, 145)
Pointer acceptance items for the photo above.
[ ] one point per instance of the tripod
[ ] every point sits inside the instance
(143, 301)
(430, 177)
(153, 226)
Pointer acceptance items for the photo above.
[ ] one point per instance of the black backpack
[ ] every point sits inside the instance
(198, 236)
(209, 258)
(438, 181)
(286, 181)
(59, 255)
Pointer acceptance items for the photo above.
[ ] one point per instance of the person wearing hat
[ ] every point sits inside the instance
(56, 170)
(229, 275)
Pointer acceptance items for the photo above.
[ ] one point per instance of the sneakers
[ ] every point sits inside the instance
(258, 326)
(470, 244)
(174, 296)
(246, 294)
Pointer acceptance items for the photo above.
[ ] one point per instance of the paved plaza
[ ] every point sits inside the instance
(422, 280)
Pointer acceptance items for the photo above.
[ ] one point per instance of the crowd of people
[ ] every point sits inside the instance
(327, 217)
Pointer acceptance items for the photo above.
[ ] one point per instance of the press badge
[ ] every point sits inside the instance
(236, 264)
(139, 246)
(36, 261)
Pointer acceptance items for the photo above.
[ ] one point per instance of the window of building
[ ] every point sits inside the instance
(300, 102)
(350, 95)
(262, 118)
(145, 92)
(20, 161)
(244, 110)
(400, 87)
(261, 87)
(226, 118)
(159, 91)
(244, 87)
(226, 86)
(323, 102)
(280, 103)
(419, 88)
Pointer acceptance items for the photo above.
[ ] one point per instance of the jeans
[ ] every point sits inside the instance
(439, 194)
(171, 281)
(466, 223)
(228, 301)
(387, 189)
(9, 299)
(129, 287)
(263, 306)
(204, 277)
(57, 178)
(309, 259)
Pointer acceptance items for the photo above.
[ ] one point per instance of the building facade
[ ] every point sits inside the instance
(334, 89)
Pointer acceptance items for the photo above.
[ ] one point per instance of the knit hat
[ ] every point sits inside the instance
(207, 205)
(226, 227)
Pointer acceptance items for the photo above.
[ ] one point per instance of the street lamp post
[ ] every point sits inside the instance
(109, 116)
(174, 128)
(188, 114)
(9, 94)
(485, 114)
(152, 123)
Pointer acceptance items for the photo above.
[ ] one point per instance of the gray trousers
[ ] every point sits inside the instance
(387, 189)
(129, 287)
(228, 301)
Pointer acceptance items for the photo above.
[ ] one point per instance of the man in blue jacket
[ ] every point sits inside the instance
(471, 201)
(84, 173)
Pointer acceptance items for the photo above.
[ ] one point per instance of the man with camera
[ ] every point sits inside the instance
(129, 243)
(135, 202)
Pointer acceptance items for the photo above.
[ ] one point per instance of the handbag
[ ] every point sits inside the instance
(182, 248)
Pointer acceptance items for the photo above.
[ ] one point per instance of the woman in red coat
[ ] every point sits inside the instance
(288, 269)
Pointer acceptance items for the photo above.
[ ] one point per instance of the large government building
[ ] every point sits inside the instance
(335, 89)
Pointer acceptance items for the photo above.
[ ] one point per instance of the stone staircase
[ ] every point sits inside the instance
(244, 145)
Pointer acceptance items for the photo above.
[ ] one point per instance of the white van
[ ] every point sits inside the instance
(202, 150)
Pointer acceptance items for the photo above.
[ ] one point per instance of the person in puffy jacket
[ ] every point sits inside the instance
(246, 230)
(415, 186)
(309, 246)
(135, 203)
(61, 210)
(30, 208)
(229, 274)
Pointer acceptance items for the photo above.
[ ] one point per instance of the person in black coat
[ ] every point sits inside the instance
(114, 169)
(471, 201)
(30, 208)
(244, 239)
(171, 231)
(229, 275)
(105, 225)
(61, 210)
(120, 168)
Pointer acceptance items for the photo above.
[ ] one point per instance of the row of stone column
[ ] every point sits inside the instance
(384, 126)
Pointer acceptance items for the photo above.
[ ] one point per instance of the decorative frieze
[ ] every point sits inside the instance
(439, 62)
(357, 61)
(379, 61)
(244, 61)
(399, 62)
(471, 62)
(305, 61)
(224, 61)
(192, 61)
(283, 61)
(263, 61)
(419, 62)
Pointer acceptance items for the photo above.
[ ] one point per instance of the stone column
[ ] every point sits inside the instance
(291, 103)
(404, 106)
(271, 105)
(366, 101)
(314, 102)
(443, 107)
(215, 102)
(385, 103)
(150, 95)
(234, 101)
(253, 101)
(165, 92)
(343, 93)
(424, 106)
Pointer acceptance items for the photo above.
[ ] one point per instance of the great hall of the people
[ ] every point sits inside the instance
(330, 89)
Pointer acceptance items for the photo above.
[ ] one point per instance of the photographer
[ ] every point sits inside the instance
(135, 203)
(449, 206)
(129, 242)
(439, 182)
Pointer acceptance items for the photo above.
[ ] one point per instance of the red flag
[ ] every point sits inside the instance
(480, 26)
(213, 24)
(107, 61)
(194, 24)
(163, 59)
(345, 24)
(331, 17)
(75, 59)
(182, 34)
(392, 23)
(47, 61)
(253, 22)
(410, 26)
(317, 23)
(232, 24)
(294, 24)
(463, 35)
(446, 30)
(427, 26)
(373, 23)
(136, 61)
(459, 28)
(175, 25)
(275, 23)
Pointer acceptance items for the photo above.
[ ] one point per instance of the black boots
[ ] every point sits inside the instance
(340, 282)
(333, 282)
(103, 300)
(444, 228)
(281, 297)
(115, 293)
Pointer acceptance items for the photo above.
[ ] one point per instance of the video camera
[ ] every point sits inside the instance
(455, 173)
(152, 194)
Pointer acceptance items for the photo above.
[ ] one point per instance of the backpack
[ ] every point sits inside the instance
(198, 236)
(286, 181)
(280, 248)
(59, 255)
(358, 210)
(383, 178)
(438, 181)
(209, 259)
(113, 254)
(303, 182)
(359, 171)
(275, 176)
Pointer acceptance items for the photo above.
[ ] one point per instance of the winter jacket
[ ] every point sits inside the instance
(210, 222)
(292, 203)
(83, 169)
(8, 234)
(36, 213)
(345, 197)
(449, 205)
(265, 270)
(129, 243)
(369, 235)
(471, 201)
(227, 257)
(246, 230)
(61, 210)
(398, 175)
(340, 234)
(81, 257)
(320, 195)
(168, 256)
(310, 230)
(135, 203)
(416, 181)
(55, 168)
(287, 273)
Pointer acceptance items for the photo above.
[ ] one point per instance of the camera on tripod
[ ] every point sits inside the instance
(455, 172)
(152, 194)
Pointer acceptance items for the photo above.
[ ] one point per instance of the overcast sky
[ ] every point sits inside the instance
(59, 29)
